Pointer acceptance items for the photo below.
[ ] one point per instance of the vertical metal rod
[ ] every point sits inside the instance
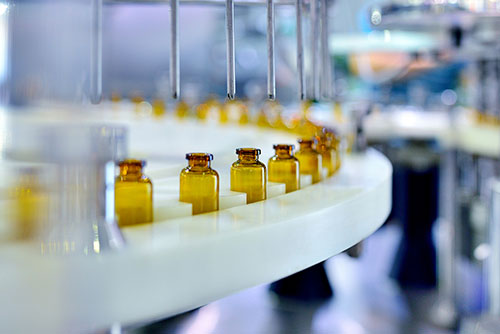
(271, 78)
(96, 53)
(300, 50)
(174, 49)
(326, 72)
(444, 312)
(314, 49)
(493, 263)
(231, 79)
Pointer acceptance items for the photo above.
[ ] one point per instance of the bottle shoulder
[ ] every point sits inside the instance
(310, 153)
(256, 164)
(206, 172)
(290, 159)
(141, 179)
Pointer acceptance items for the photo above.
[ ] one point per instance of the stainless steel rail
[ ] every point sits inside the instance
(174, 49)
(96, 53)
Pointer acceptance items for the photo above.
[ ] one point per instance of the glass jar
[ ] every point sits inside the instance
(248, 175)
(133, 194)
(327, 154)
(199, 183)
(309, 159)
(284, 167)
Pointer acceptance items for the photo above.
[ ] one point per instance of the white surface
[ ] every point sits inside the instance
(464, 133)
(407, 124)
(178, 264)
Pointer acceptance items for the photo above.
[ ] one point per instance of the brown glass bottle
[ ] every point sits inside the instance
(284, 167)
(327, 154)
(159, 108)
(309, 159)
(334, 141)
(182, 109)
(248, 175)
(133, 194)
(199, 183)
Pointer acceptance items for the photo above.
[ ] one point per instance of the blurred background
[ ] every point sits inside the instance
(418, 80)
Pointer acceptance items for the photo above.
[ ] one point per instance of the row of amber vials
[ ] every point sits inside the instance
(269, 116)
(199, 183)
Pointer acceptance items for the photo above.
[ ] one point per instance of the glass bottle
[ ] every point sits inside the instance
(248, 175)
(309, 159)
(30, 205)
(224, 111)
(199, 184)
(133, 194)
(136, 99)
(159, 108)
(284, 167)
(244, 119)
(182, 109)
(327, 154)
(335, 146)
(115, 97)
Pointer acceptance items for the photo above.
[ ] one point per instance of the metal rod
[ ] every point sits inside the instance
(174, 49)
(96, 53)
(231, 79)
(271, 78)
(300, 50)
(314, 50)
(207, 2)
(493, 262)
(326, 73)
(444, 312)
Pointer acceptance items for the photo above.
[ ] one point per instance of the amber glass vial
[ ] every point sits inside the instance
(309, 159)
(182, 109)
(159, 108)
(284, 167)
(248, 175)
(335, 147)
(30, 205)
(199, 183)
(327, 152)
(133, 194)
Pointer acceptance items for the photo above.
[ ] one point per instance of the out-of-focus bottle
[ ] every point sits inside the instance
(136, 99)
(29, 206)
(115, 97)
(182, 109)
(199, 183)
(248, 175)
(262, 120)
(328, 157)
(202, 111)
(133, 194)
(159, 108)
(224, 111)
(284, 167)
(244, 118)
(335, 146)
(309, 159)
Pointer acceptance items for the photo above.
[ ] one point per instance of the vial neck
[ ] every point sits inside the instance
(284, 153)
(248, 158)
(131, 172)
(306, 146)
(199, 164)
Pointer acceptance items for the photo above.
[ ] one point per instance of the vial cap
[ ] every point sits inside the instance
(132, 162)
(200, 156)
(252, 151)
(284, 147)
